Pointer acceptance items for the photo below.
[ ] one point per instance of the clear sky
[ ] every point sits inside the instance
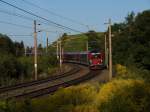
(93, 13)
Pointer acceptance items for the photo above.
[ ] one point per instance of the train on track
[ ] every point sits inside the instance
(94, 59)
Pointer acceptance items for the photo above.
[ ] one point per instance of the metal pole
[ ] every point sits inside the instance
(35, 50)
(25, 50)
(46, 42)
(110, 52)
(106, 60)
(60, 55)
(87, 50)
(105, 43)
(57, 50)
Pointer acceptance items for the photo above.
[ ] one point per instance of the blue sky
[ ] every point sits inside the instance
(93, 13)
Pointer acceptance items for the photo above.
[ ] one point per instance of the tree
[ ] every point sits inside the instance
(130, 18)
(94, 40)
(132, 45)
(10, 68)
(19, 48)
(6, 45)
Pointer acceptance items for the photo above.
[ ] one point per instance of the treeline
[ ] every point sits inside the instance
(10, 67)
(7, 46)
(131, 41)
(16, 65)
(95, 40)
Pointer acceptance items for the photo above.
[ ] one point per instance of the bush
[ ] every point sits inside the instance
(45, 63)
(27, 64)
(131, 72)
(10, 68)
(68, 100)
(121, 70)
(85, 108)
(124, 96)
(2, 106)
(116, 96)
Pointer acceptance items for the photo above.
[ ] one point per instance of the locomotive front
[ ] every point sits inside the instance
(96, 60)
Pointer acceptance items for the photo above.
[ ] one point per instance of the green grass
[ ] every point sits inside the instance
(76, 43)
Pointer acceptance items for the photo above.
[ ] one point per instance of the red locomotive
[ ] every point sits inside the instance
(94, 59)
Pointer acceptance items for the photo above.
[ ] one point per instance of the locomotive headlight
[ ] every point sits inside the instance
(90, 61)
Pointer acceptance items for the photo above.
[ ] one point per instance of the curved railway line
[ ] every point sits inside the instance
(35, 82)
(42, 87)
(52, 89)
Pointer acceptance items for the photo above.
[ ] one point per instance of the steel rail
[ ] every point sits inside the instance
(13, 87)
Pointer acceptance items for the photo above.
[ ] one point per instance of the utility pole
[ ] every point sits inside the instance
(106, 52)
(25, 51)
(35, 51)
(62, 52)
(60, 55)
(87, 50)
(46, 42)
(110, 51)
(105, 44)
(57, 51)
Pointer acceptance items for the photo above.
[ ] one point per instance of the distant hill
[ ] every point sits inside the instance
(75, 42)
(78, 42)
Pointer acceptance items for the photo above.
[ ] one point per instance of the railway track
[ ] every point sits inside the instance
(52, 89)
(9, 88)
(46, 86)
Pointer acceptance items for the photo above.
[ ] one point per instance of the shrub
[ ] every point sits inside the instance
(45, 65)
(2, 106)
(85, 108)
(124, 96)
(66, 100)
(131, 72)
(121, 70)
(27, 64)
(10, 68)
(45, 62)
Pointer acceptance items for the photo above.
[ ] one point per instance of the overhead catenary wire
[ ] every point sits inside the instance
(16, 14)
(20, 16)
(23, 26)
(18, 25)
(55, 14)
(26, 18)
(31, 13)
(21, 35)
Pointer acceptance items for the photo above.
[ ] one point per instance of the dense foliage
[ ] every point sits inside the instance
(10, 68)
(131, 42)
(124, 96)
(6, 45)
(116, 96)
(15, 66)
(95, 40)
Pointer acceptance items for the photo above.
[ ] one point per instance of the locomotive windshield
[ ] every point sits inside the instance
(95, 55)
